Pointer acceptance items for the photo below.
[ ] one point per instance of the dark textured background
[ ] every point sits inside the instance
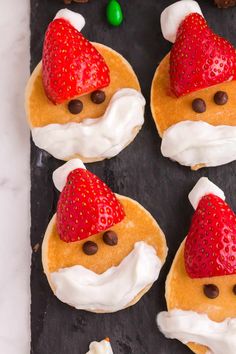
(139, 172)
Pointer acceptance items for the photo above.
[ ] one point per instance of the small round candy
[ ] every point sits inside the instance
(211, 291)
(90, 248)
(98, 96)
(114, 13)
(110, 238)
(234, 289)
(199, 105)
(221, 97)
(75, 106)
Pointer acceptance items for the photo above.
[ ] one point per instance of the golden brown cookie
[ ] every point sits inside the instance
(200, 286)
(185, 293)
(98, 242)
(192, 91)
(138, 225)
(83, 99)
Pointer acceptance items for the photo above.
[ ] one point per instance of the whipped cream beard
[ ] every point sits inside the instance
(190, 326)
(112, 290)
(103, 347)
(97, 138)
(196, 142)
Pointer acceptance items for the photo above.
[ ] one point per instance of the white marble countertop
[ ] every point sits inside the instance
(14, 180)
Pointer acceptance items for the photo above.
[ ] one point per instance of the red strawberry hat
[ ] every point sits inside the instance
(210, 246)
(72, 66)
(86, 205)
(199, 58)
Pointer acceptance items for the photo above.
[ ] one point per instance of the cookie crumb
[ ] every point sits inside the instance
(36, 247)
(225, 3)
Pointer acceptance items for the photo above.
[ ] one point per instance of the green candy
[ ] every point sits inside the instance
(114, 13)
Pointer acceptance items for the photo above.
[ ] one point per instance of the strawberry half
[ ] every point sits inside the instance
(199, 58)
(72, 66)
(210, 247)
(86, 206)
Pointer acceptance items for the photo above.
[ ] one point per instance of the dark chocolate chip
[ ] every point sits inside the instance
(199, 105)
(90, 248)
(110, 238)
(234, 289)
(98, 96)
(75, 106)
(221, 97)
(211, 291)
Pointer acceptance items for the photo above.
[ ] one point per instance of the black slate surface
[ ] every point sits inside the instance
(139, 172)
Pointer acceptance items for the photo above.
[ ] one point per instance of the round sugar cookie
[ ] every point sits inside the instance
(200, 287)
(41, 112)
(192, 92)
(138, 225)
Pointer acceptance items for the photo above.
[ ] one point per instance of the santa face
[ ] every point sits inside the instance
(206, 304)
(192, 91)
(94, 119)
(201, 309)
(106, 271)
(214, 296)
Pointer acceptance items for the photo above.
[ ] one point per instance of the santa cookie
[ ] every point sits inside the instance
(101, 251)
(193, 90)
(83, 100)
(201, 285)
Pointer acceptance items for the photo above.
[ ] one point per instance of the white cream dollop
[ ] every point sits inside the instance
(60, 175)
(174, 14)
(76, 20)
(112, 290)
(102, 137)
(203, 187)
(196, 142)
(189, 326)
(103, 347)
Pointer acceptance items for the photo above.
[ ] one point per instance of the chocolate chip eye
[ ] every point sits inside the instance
(211, 291)
(90, 248)
(98, 96)
(75, 106)
(199, 105)
(234, 289)
(110, 238)
(221, 98)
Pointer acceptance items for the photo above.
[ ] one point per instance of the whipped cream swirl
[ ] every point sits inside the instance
(98, 138)
(190, 326)
(112, 290)
(191, 143)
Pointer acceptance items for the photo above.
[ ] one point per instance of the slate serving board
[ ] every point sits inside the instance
(139, 172)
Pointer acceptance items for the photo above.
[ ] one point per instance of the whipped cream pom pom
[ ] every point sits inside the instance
(76, 20)
(174, 14)
(60, 175)
(203, 187)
